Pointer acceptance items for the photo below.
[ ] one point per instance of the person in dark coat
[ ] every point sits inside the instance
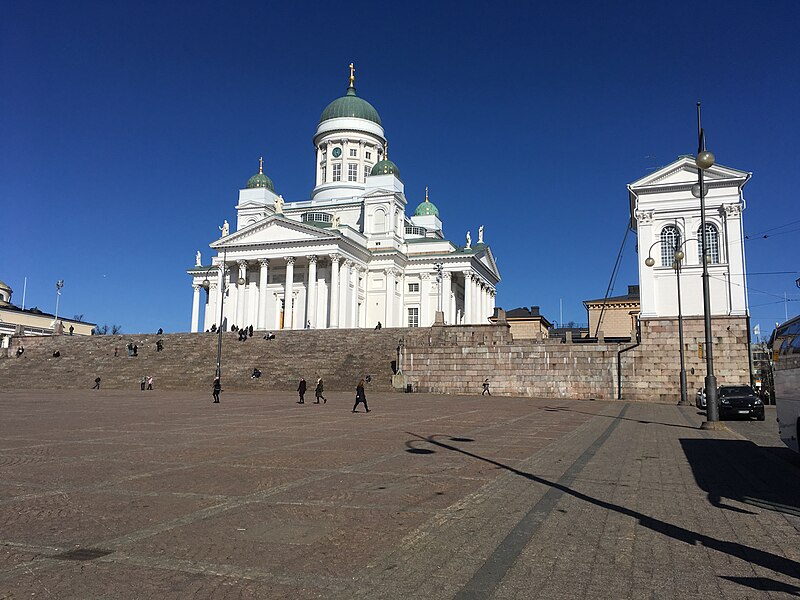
(96, 385)
(301, 389)
(360, 396)
(486, 387)
(318, 391)
(217, 385)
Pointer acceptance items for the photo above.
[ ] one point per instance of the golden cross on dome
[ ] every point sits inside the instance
(260, 164)
(352, 74)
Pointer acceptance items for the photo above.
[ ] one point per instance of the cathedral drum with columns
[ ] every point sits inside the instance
(347, 257)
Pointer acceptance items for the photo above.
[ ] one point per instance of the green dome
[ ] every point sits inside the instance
(426, 208)
(385, 167)
(351, 105)
(259, 180)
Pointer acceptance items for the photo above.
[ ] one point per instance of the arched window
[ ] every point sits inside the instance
(379, 221)
(712, 244)
(670, 240)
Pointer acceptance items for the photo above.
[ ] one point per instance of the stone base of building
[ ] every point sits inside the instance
(651, 371)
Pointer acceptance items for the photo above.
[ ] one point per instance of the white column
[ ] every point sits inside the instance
(219, 317)
(354, 301)
(361, 162)
(195, 307)
(318, 167)
(261, 320)
(333, 303)
(211, 315)
(447, 290)
(328, 174)
(344, 288)
(468, 297)
(400, 310)
(362, 296)
(311, 291)
(492, 297)
(240, 293)
(425, 311)
(287, 292)
(389, 297)
(277, 310)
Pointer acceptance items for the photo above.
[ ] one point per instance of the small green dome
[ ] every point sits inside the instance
(385, 167)
(259, 180)
(426, 208)
(351, 105)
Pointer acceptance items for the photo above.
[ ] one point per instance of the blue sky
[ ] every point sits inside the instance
(126, 130)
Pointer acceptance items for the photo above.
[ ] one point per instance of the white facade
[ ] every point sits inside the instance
(349, 256)
(663, 209)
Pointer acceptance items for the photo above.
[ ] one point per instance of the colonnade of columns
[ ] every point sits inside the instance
(342, 305)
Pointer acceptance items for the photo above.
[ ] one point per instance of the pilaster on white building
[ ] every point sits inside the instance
(666, 215)
(349, 256)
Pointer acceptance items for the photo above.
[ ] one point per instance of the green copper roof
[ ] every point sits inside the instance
(385, 167)
(426, 208)
(351, 105)
(259, 180)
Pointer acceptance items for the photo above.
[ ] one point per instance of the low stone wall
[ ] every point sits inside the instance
(457, 359)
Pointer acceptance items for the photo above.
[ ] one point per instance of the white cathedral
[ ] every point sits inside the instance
(349, 256)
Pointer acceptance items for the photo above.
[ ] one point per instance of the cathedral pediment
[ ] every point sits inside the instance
(484, 255)
(275, 229)
(683, 172)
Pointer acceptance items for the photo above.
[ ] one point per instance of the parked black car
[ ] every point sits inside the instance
(739, 401)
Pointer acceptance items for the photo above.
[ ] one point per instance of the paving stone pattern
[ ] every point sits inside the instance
(163, 495)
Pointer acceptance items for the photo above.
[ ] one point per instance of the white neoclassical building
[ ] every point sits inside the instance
(347, 257)
(666, 215)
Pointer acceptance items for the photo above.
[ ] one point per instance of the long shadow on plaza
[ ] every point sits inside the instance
(742, 471)
(746, 553)
(567, 409)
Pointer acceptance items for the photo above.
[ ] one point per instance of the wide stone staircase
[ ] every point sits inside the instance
(188, 360)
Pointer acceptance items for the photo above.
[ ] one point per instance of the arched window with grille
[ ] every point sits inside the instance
(712, 244)
(670, 240)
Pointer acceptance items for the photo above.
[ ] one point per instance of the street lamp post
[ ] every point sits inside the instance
(59, 285)
(438, 268)
(705, 160)
(677, 255)
(206, 286)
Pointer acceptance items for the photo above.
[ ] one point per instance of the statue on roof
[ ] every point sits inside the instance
(279, 205)
(469, 241)
(336, 221)
(225, 229)
(197, 259)
(480, 234)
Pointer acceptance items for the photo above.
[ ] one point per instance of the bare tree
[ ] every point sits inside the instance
(78, 318)
(115, 329)
(101, 330)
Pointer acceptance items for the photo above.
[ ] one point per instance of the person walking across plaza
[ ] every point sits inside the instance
(318, 391)
(96, 385)
(486, 387)
(143, 382)
(217, 385)
(149, 382)
(360, 396)
(301, 389)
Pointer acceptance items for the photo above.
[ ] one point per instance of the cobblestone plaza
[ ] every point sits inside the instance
(114, 494)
